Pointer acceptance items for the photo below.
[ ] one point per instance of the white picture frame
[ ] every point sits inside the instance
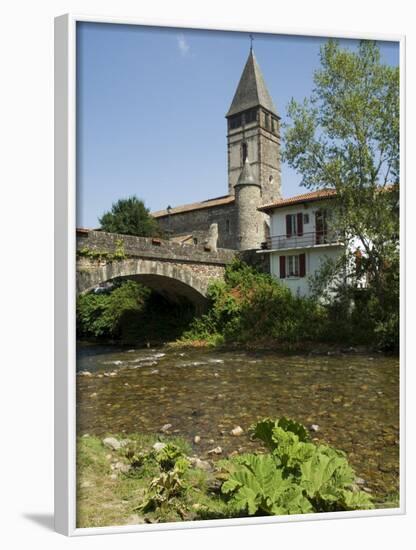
(65, 293)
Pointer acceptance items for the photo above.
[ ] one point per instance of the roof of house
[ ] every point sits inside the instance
(218, 201)
(251, 90)
(297, 199)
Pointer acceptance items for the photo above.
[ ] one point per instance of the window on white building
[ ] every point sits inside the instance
(294, 224)
(291, 224)
(293, 265)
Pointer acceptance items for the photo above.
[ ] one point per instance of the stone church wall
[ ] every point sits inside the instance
(197, 223)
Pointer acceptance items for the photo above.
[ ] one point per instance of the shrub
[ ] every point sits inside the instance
(249, 305)
(101, 314)
(295, 477)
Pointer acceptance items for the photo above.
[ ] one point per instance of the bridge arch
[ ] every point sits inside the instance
(175, 282)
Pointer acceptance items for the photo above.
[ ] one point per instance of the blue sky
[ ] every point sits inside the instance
(151, 104)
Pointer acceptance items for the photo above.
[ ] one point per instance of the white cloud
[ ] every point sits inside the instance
(182, 44)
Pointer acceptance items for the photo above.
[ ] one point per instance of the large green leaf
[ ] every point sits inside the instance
(325, 476)
(357, 500)
(298, 429)
(263, 430)
(289, 451)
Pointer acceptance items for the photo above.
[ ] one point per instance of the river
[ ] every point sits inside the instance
(352, 400)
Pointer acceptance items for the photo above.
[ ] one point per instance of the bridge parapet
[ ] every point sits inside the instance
(152, 248)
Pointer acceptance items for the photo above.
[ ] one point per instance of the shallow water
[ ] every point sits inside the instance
(354, 399)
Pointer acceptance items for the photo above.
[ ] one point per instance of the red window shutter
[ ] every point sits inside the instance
(282, 261)
(300, 223)
(288, 226)
(302, 265)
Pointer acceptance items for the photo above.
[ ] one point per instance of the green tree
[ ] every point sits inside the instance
(346, 137)
(130, 217)
(101, 315)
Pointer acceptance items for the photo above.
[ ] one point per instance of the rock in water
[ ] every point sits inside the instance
(200, 464)
(165, 428)
(315, 427)
(238, 430)
(112, 443)
(215, 451)
(197, 439)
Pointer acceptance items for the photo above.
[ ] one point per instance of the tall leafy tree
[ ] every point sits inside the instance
(129, 217)
(346, 136)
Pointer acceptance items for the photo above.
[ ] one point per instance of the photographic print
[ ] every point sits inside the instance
(237, 275)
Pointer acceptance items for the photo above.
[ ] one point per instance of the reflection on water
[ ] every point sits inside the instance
(354, 399)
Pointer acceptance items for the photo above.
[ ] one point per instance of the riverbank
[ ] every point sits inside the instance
(133, 479)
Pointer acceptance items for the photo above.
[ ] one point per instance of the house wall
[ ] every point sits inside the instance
(314, 255)
(313, 258)
(278, 217)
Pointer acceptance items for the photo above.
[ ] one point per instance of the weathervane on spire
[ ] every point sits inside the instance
(251, 42)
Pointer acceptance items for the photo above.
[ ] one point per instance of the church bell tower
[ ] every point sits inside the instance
(254, 133)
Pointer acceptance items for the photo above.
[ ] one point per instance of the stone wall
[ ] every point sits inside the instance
(197, 223)
(145, 247)
(258, 259)
(269, 156)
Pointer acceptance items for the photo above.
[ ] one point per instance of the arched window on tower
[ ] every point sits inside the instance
(244, 151)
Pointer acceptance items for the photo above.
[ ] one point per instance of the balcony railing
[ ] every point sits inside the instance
(306, 240)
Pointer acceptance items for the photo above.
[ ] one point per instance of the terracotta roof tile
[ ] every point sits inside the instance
(305, 197)
(219, 201)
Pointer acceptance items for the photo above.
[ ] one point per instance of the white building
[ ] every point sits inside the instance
(301, 238)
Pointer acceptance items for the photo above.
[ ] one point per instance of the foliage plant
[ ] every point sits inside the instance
(92, 253)
(101, 314)
(297, 476)
(345, 136)
(130, 312)
(130, 217)
(250, 306)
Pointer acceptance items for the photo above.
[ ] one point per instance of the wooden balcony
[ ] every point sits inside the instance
(306, 240)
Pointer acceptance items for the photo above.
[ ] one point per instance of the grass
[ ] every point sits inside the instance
(136, 484)
(106, 496)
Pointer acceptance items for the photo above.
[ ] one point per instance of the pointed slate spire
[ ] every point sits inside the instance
(247, 177)
(251, 90)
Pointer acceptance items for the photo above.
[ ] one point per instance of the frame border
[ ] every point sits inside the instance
(65, 289)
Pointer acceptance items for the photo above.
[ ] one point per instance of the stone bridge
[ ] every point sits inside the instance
(176, 271)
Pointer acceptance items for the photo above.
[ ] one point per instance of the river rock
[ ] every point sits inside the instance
(122, 467)
(238, 430)
(359, 481)
(215, 451)
(112, 443)
(315, 427)
(197, 439)
(200, 464)
(159, 446)
(165, 428)
(85, 373)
